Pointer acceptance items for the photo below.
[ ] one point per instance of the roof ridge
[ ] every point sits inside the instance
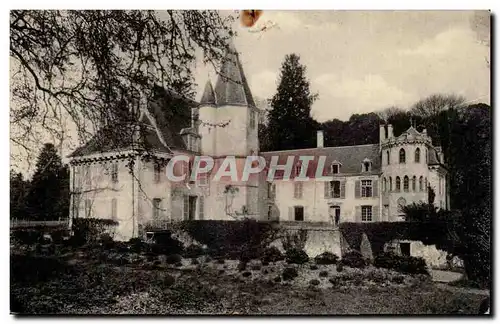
(321, 148)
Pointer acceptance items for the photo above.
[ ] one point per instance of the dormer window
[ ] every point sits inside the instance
(367, 165)
(335, 167)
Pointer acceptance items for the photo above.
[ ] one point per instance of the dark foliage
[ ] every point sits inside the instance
(272, 254)
(91, 229)
(314, 267)
(164, 243)
(323, 273)
(193, 251)
(404, 264)
(314, 282)
(340, 267)
(173, 259)
(353, 259)
(290, 274)
(296, 256)
(242, 240)
(326, 258)
(27, 237)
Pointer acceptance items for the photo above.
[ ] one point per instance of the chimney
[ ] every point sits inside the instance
(319, 138)
(390, 132)
(382, 133)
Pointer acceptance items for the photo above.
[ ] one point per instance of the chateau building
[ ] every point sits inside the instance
(363, 183)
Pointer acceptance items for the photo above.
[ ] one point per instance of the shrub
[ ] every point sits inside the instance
(193, 251)
(272, 254)
(290, 274)
(405, 264)
(277, 279)
(353, 259)
(246, 274)
(256, 267)
(314, 267)
(265, 264)
(323, 274)
(106, 241)
(314, 282)
(398, 279)
(326, 258)
(173, 259)
(136, 245)
(296, 256)
(335, 281)
(27, 237)
(231, 238)
(90, 229)
(340, 267)
(167, 244)
(195, 261)
(221, 261)
(168, 280)
(178, 264)
(242, 266)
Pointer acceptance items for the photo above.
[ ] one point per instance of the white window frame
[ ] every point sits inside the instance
(365, 185)
(156, 208)
(366, 213)
(332, 189)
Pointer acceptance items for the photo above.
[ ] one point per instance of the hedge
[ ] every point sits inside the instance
(91, 229)
(380, 233)
(233, 239)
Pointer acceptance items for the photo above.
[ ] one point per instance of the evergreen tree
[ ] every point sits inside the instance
(18, 189)
(290, 125)
(48, 196)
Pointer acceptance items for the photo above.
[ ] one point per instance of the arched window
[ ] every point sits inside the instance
(398, 184)
(406, 183)
(402, 156)
(385, 184)
(388, 157)
(417, 155)
(414, 183)
(390, 183)
(421, 183)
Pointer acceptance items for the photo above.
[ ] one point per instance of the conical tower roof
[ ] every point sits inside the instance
(232, 86)
(208, 97)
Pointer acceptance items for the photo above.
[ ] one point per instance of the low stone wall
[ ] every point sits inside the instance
(319, 237)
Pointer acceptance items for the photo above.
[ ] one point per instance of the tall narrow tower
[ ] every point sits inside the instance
(229, 128)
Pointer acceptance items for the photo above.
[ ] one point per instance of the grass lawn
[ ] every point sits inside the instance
(89, 281)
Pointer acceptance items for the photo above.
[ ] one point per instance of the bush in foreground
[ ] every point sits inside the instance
(272, 254)
(296, 256)
(290, 274)
(326, 258)
(404, 264)
(353, 259)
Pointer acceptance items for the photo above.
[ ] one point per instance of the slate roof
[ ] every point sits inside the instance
(232, 86)
(350, 158)
(208, 97)
(170, 112)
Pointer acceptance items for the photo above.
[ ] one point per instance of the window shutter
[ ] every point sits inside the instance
(201, 206)
(327, 189)
(342, 189)
(358, 214)
(375, 188)
(290, 214)
(357, 189)
(186, 207)
(375, 214)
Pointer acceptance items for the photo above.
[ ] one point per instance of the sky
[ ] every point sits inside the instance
(365, 61)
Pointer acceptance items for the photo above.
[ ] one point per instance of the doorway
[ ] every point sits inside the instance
(334, 213)
(299, 213)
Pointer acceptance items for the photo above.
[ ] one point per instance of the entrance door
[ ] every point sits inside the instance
(334, 213)
(192, 207)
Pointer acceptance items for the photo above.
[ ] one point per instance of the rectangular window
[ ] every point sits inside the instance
(114, 172)
(156, 208)
(186, 207)
(114, 207)
(88, 208)
(201, 206)
(252, 119)
(269, 212)
(298, 189)
(157, 172)
(299, 213)
(271, 190)
(203, 179)
(366, 188)
(335, 189)
(87, 173)
(335, 168)
(366, 213)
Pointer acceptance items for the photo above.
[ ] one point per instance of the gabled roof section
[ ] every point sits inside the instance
(162, 121)
(208, 97)
(232, 86)
(348, 157)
